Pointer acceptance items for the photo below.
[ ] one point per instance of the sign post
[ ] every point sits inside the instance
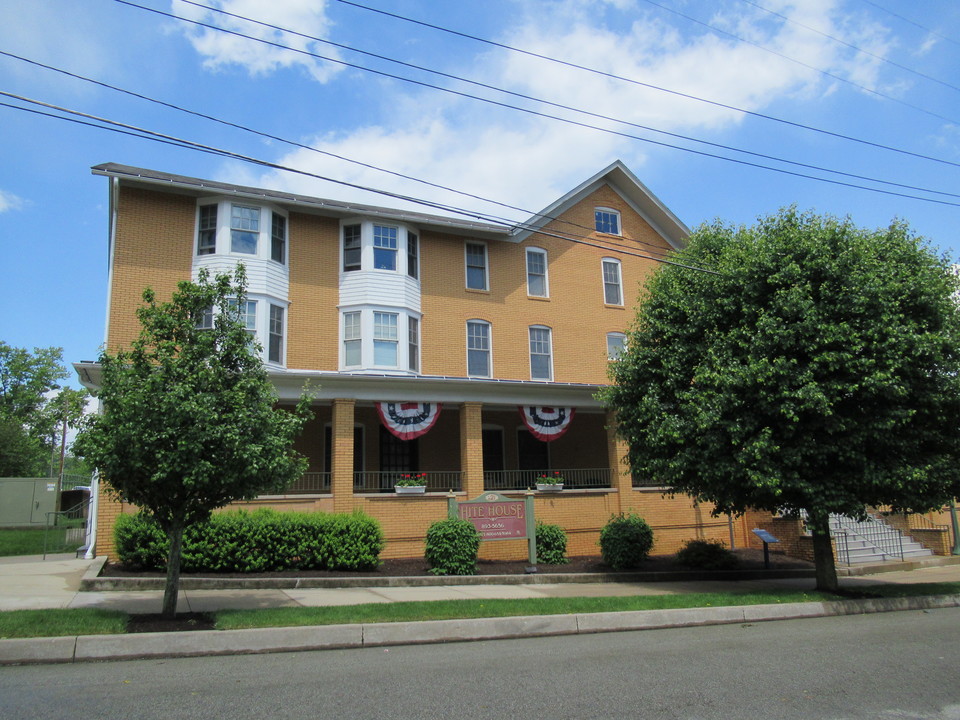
(497, 517)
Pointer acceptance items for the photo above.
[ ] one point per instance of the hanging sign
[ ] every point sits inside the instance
(408, 420)
(546, 423)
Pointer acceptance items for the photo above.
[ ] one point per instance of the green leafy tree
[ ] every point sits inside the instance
(815, 370)
(31, 415)
(189, 421)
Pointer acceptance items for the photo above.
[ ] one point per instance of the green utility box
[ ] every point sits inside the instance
(26, 501)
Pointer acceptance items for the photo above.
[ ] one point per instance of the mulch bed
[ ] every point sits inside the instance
(749, 560)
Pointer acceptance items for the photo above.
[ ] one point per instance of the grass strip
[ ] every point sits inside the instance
(461, 609)
(30, 541)
(60, 622)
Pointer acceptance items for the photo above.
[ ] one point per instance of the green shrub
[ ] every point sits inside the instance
(452, 547)
(625, 541)
(262, 541)
(551, 544)
(707, 555)
(140, 542)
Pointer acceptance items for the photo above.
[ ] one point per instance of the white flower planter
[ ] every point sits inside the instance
(547, 487)
(410, 489)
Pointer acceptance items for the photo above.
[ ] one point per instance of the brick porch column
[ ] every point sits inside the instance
(617, 452)
(341, 463)
(471, 448)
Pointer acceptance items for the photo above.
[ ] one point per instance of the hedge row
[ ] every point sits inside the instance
(262, 541)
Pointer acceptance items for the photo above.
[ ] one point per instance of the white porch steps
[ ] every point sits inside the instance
(872, 541)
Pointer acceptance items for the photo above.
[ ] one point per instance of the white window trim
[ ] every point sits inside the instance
(367, 248)
(619, 335)
(489, 350)
(223, 238)
(610, 211)
(367, 355)
(531, 353)
(603, 280)
(546, 271)
(486, 267)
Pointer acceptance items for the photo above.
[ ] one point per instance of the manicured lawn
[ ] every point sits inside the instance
(87, 621)
(56, 623)
(29, 541)
(456, 609)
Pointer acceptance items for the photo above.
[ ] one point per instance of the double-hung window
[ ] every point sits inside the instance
(352, 345)
(476, 259)
(537, 272)
(205, 318)
(616, 342)
(412, 255)
(351, 248)
(478, 348)
(612, 292)
(207, 230)
(607, 221)
(244, 229)
(384, 247)
(275, 335)
(413, 344)
(541, 353)
(385, 339)
(246, 313)
(278, 238)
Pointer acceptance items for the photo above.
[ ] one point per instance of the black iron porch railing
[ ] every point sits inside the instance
(573, 478)
(310, 483)
(384, 482)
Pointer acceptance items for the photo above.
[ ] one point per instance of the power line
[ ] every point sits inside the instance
(126, 129)
(763, 156)
(633, 81)
(851, 46)
(803, 64)
(343, 158)
(911, 22)
(577, 123)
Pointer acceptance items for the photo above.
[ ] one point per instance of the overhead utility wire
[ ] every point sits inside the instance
(851, 46)
(803, 64)
(654, 248)
(774, 158)
(115, 126)
(568, 121)
(911, 22)
(676, 93)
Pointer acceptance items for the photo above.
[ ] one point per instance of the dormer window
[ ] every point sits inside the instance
(607, 221)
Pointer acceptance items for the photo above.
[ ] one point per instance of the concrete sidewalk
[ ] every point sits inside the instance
(34, 583)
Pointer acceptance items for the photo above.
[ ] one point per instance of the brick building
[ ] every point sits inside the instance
(405, 321)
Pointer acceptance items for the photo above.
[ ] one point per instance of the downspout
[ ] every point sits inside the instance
(95, 485)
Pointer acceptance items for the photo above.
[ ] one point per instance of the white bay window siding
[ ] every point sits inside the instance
(230, 232)
(379, 265)
(381, 339)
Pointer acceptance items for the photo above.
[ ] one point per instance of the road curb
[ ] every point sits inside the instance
(87, 648)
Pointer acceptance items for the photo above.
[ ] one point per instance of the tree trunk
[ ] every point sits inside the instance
(172, 589)
(826, 569)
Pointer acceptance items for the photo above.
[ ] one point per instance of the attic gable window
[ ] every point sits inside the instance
(607, 221)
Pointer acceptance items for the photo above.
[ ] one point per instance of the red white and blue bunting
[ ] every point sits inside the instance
(546, 423)
(408, 420)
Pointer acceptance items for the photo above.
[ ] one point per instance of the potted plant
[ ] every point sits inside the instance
(550, 482)
(411, 484)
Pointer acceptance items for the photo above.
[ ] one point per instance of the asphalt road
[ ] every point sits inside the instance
(894, 666)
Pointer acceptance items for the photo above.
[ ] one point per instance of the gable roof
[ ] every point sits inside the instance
(619, 177)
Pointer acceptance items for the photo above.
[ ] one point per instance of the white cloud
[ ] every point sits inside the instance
(220, 49)
(530, 161)
(10, 202)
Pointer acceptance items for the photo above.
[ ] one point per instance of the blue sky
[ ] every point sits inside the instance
(880, 71)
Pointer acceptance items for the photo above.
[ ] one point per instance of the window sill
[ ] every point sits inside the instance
(614, 307)
(475, 290)
(539, 298)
